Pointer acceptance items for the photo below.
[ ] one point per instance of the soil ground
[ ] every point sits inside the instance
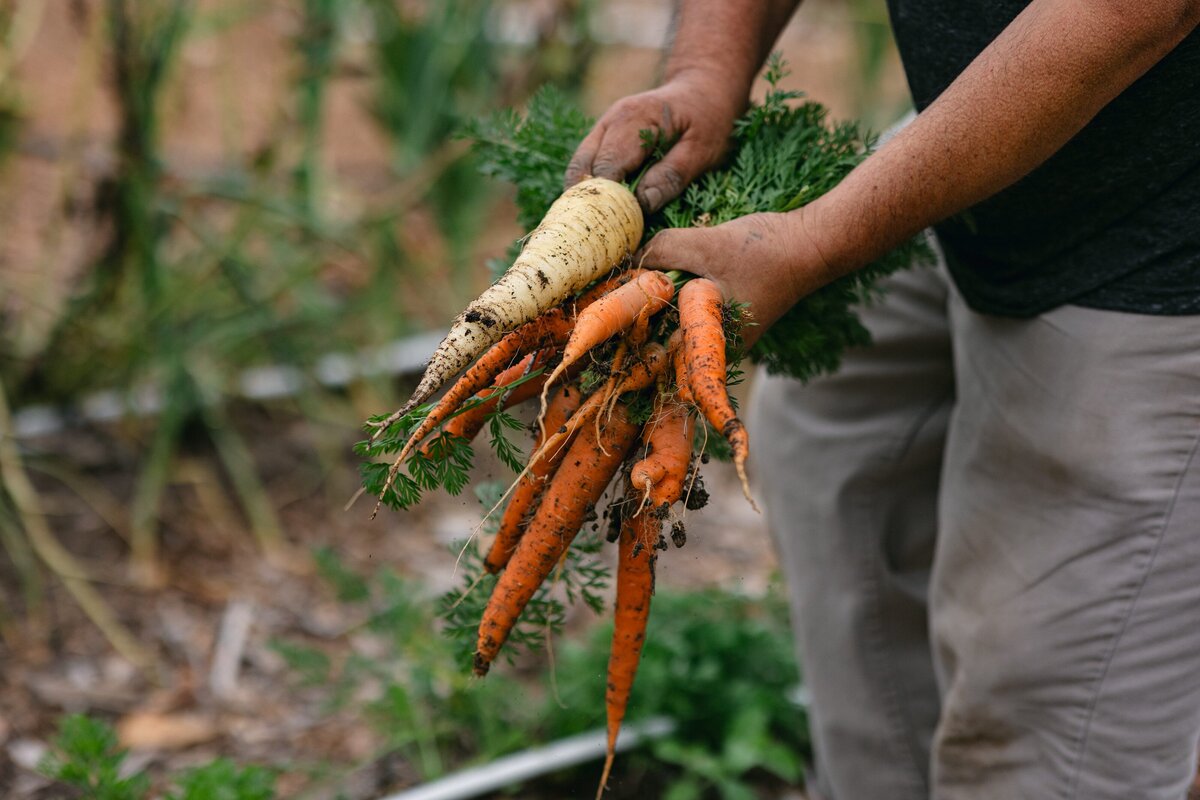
(189, 714)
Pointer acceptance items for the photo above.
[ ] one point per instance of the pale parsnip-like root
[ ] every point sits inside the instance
(586, 232)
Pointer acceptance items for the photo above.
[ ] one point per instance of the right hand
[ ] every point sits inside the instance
(690, 106)
(768, 261)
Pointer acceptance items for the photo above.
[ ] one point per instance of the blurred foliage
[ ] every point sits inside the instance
(719, 665)
(434, 73)
(9, 100)
(722, 666)
(198, 276)
(202, 276)
(85, 755)
(875, 50)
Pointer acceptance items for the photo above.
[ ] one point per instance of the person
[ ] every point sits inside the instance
(989, 519)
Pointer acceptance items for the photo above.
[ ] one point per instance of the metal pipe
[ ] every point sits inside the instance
(402, 357)
(536, 761)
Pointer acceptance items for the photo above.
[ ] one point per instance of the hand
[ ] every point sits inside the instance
(766, 260)
(692, 106)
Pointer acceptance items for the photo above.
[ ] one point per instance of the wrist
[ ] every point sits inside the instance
(833, 245)
(718, 87)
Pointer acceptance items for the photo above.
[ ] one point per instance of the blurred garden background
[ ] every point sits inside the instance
(228, 230)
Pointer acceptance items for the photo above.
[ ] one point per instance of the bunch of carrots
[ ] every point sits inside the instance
(573, 300)
(624, 362)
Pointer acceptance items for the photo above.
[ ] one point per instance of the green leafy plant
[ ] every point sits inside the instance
(224, 780)
(85, 755)
(719, 665)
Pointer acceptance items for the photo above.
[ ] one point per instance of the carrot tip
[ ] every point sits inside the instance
(740, 464)
(481, 666)
(608, 762)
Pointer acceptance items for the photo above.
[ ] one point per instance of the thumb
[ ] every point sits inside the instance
(686, 249)
(667, 179)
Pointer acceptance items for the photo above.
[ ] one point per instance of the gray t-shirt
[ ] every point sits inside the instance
(1111, 221)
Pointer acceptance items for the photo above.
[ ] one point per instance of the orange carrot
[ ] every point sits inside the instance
(653, 359)
(638, 552)
(615, 312)
(635, 585)
(639, 332)
(531, 485)
(700, 305)
(604, 286)
(467, 424)
(553, 327)
(683, 391)
(470, 422)
(575, 488)
(668, 438)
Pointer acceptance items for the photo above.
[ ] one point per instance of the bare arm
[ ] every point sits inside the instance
(728, 39)
(1033, 88)
(719, 46)
(1045, 77)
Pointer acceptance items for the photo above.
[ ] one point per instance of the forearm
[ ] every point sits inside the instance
(726, 41)
(1047, 74)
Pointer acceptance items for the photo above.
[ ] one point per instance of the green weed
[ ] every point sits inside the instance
(85, 755)
(720, 665)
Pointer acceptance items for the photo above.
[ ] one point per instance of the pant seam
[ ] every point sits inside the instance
(892, 703)
(1085, 733)
(927, 413)
(890, 700)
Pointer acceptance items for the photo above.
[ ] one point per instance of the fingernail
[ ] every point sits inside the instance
(652, 197)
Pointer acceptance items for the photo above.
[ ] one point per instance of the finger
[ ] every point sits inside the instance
(621, 151)
(687, 249)
(667, 179)
(580, 165)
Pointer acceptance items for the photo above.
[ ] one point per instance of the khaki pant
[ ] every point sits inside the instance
(990, 530)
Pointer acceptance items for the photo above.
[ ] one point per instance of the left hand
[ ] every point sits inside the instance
(766, 260)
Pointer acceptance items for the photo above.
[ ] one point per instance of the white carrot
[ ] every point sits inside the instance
(586, 232)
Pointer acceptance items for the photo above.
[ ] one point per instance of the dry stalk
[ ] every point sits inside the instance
(56, 558)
